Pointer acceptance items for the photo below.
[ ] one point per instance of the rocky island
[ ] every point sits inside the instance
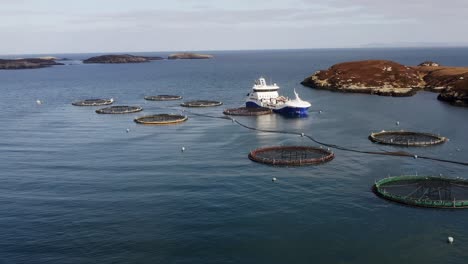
(124, 58)
(28, 63)
(379, 77)
(188, 55)
(388, 78)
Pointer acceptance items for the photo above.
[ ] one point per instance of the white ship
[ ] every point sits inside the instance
(264, 95)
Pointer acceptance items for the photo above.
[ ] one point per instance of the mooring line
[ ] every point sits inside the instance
(385, 153)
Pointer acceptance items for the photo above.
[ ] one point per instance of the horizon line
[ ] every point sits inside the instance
(221, 50)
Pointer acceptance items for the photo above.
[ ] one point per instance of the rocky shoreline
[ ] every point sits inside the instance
(457, 95)
(388, 78)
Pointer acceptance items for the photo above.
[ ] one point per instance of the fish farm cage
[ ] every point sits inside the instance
(291, 155)
(121, 109)
(201, 103)
(406, 138)
(93, 102)
(161, 119)
(424, 191)
(248, 111)
(163, 97)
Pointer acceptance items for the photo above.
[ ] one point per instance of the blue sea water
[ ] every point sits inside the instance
(75, 187)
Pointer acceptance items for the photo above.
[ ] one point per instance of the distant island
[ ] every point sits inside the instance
(123, 58)
(188, 55)
(34, 63)
(28, 63)
(388, 78)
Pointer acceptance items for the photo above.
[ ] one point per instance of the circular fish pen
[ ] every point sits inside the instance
(163, 97)
(406, 138)
(424, 191)
(121, 109)
(93, 102)
(291, 155)
(161, 119)
(248, 111)
(201, 103)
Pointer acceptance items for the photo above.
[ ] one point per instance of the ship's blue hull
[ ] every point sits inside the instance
(290, 111)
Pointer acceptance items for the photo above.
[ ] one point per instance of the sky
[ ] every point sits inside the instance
(85, 26)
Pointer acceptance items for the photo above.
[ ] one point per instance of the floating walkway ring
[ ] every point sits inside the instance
(248, 111)
(163, 97)
(201, 103)
(121, 109)
(291, 155)
(406, 138)
(161, 119)
(93, 102)
(424, 191)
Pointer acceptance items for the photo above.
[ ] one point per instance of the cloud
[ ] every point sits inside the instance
(241, 18)
(420, 10)
(115, 25)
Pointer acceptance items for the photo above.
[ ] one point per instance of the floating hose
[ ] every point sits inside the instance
(385, 153)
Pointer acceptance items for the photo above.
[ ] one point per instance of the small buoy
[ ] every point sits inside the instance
(274, 179)
(128, 130)
(320, 111)
(302, 134)
(182, 149)
(397, 123)
(450, 240)
(415, 156)
(39, 102)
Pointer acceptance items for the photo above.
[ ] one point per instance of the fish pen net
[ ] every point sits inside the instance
(163, 97)
(424, 191)
(201, 103)
(121, 109)
(161, 119)
(291, 155)
(406, 138)
(93, 102)
(248, 111)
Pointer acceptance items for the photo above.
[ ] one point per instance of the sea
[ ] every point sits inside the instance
(79, 187)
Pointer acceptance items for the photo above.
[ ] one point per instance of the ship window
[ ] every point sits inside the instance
(269, 90)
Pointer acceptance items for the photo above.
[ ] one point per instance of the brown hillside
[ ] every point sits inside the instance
(383, 77)
(371, 76)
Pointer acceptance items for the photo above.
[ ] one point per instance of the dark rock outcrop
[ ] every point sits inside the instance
(124, 58)
(28, 63)
(188, 55)
(429, 64)
(458, 94)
